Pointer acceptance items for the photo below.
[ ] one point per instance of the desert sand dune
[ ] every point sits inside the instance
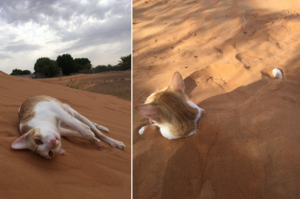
(84, 171)
(247, 143)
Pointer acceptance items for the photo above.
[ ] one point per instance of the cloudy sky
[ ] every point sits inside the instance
(99, 30)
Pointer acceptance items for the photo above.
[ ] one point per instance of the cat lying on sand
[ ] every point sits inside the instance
(41, 120)
(170, 110)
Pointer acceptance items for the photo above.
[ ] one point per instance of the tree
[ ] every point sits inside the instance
(46, 67)
(125, 62)
(101, 68)
(66, 63)
(88, 66)
(78, 67)
(26, 72)
(84, 62)
(20, 72)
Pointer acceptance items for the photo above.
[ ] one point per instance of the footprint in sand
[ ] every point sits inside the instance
(212, 77)
(290, 99)
(249, 59)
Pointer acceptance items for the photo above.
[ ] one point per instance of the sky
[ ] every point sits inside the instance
(99, 30)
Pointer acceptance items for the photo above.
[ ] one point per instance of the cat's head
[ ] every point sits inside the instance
(46, 144)
(169, 105)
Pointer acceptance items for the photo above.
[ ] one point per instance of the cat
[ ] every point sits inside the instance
(170, 110)
(43, 121)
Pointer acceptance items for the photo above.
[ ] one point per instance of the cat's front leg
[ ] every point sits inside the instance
(141, 131)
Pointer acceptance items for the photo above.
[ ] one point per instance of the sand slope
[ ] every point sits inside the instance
(83, 172)
(247, 144)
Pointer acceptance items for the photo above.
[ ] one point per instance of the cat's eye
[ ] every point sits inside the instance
(50, 153)
(37, 141)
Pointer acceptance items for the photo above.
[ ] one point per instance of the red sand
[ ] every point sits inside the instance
(247, 146)
(84, 171)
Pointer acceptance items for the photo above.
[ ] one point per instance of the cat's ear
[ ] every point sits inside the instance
(61, 151)
(177, 83)
(21, 142)
(148, 110)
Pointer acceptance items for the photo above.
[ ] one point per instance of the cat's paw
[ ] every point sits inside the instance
(96, 142)
(141, 131)
(117, 144)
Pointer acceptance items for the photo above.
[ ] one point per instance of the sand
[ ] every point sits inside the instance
(247, 145)
(84, 171)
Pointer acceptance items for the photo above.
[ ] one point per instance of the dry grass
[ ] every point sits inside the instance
(121, 89)
(117, 85)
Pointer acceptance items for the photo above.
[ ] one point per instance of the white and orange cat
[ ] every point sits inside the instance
(170, 110)
(43, 121)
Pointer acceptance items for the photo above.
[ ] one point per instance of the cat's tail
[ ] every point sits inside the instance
(101, 127)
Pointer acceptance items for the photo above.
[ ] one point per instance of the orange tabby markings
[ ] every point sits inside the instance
(171, 111)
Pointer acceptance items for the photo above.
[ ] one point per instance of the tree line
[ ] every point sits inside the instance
(20, 72)
(65, 62)
(68, 65)
(124, 64)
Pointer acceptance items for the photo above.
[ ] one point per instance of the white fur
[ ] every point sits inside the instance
(165, 128)
(165, 131)
(277, 73)
(197, 118)
(141, 131)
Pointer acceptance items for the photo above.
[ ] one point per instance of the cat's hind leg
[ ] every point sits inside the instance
(101, 136)
(69, 133)
(75, 124)
(100, 127)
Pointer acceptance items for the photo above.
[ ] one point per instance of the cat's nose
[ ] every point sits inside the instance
(56, 137)
(53, 142)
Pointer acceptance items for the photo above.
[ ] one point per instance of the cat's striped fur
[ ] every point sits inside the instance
(171, 111)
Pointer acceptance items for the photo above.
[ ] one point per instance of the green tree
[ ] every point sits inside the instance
(101, 68)
(26, 72)
(20, 72)
(46, 67)
(84, 62)
(88, 66)
(125, 62)
(16, 72)
(78, 67)
(110, 67)
(66, 63)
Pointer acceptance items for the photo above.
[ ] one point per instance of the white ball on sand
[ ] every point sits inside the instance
(277, 73)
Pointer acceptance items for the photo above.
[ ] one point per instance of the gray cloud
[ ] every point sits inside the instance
(112, 20)
(111, 31)
(4, 56)
(76, 26)
(21, 47)
(50, 12)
